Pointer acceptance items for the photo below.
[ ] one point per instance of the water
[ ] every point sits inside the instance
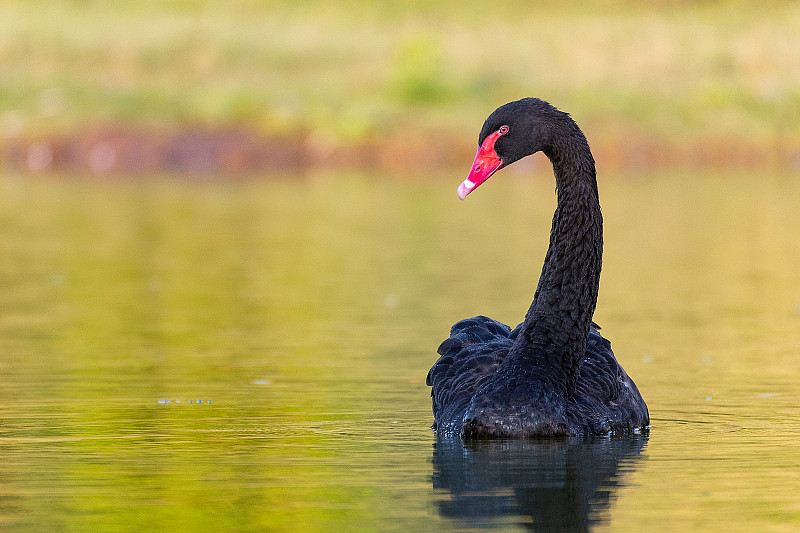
(251, 356)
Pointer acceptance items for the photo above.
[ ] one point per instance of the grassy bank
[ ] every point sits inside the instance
(350, 72)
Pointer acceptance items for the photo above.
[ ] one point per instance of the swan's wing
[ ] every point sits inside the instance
(472, 353)
(604, 387)
(600, 374)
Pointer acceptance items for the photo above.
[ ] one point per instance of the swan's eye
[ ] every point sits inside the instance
(503, 130)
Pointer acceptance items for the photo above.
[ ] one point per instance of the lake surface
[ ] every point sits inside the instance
(251, 356)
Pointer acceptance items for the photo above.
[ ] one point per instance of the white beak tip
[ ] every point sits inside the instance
(463, 191)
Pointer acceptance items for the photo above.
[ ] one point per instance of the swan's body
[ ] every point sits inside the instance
(554, 374)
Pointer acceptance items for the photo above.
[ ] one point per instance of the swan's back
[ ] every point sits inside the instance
(605, 399)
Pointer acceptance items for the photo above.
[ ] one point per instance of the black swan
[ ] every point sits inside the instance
(554, 374)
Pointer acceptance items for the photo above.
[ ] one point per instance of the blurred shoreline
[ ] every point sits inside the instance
(246, 87)
(230, 152)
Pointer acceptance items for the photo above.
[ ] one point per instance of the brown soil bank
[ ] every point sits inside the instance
(233, 152)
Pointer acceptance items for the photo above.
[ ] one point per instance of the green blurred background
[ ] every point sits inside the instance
(398, 85)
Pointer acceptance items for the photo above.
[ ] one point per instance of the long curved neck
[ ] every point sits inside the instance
(555, 332)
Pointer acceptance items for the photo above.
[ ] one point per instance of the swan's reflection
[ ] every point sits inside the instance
(545, 485)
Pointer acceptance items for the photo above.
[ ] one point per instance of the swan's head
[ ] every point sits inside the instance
(513, 131)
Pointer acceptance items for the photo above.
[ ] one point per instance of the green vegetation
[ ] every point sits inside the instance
(352, 72)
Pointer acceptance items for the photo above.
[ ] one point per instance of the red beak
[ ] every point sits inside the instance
(486, 163)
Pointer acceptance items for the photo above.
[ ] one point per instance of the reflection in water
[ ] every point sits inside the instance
(547, 485)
